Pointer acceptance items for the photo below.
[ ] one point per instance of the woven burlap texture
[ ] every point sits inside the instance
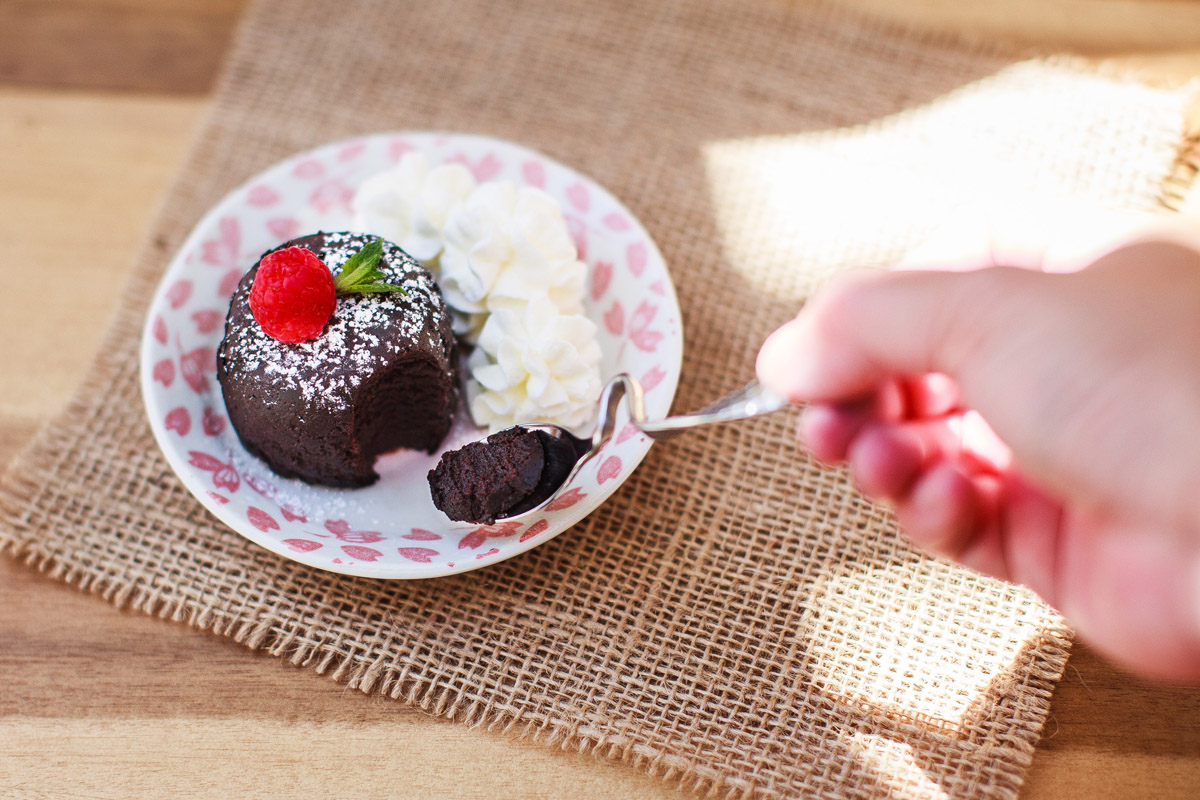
(736, 619)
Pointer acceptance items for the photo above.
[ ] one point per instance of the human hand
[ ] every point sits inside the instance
(1088, 491)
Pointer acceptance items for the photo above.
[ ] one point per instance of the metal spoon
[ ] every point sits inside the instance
(567, 453)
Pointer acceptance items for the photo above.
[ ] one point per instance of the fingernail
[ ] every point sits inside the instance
(982, 443)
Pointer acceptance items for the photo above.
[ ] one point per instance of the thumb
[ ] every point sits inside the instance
(863, 329)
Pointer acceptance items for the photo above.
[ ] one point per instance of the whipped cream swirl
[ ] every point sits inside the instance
(534, 365)
(410, 203)
(506, 246)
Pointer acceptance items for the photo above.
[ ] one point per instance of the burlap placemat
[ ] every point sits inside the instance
(736, 620)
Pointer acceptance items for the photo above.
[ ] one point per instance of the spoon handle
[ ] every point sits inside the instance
(752, 400)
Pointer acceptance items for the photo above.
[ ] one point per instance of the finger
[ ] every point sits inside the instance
(885, 460)
(982, 550)
(1029, 531)
(890, 402)
(981, 448)
(1014, 528)
(826, 430)
(939, 514)
(931, 395)
(864, 330)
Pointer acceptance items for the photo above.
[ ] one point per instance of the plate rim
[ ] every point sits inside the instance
(396, 571)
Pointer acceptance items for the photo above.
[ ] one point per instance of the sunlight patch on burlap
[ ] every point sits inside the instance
(892, 638)
(793, 210)
(895, 766)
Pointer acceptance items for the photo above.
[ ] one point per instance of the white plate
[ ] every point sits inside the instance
(391, 529)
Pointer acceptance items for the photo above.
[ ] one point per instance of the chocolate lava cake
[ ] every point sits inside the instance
(507, 473)
(382, 375)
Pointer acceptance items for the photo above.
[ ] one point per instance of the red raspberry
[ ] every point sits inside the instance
(293, 295)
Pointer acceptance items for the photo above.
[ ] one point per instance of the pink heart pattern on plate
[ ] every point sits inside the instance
(389, 530)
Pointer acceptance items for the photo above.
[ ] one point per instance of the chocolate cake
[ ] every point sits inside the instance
(382, 375)
(507, 473)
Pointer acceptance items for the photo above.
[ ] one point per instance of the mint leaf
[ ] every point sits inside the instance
(370, 288)
(360, 276)
(359, 266)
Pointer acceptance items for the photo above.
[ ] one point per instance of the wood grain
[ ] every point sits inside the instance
(100, 703)
(80, 174)
(1093, 27)
(105, 704)
(137, 45)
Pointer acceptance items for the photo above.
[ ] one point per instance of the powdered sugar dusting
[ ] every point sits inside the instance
(365, 332)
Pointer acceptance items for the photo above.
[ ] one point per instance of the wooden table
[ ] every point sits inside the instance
(98, 102)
